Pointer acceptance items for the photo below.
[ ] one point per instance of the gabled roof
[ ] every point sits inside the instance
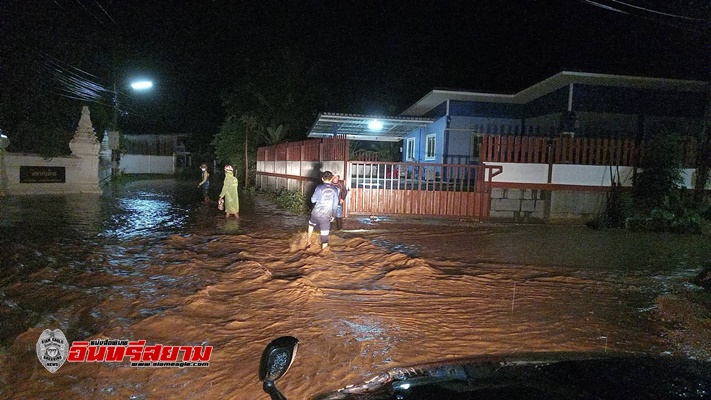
(356, 126)
(562, 79)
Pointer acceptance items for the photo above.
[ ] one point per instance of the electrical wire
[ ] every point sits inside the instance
(104, 10)
(88, 11)
(660, 12)
(702, 28)
(606, 7)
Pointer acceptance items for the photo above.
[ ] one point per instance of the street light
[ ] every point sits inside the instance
(142, 85)
(114, 136)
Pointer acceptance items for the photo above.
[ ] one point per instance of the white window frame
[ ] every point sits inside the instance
(431, 150)
(410, 149)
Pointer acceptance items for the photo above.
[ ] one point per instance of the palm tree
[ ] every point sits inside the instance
(274, 136)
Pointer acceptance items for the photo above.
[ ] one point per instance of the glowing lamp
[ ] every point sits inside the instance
(142, 85)
(375, 125)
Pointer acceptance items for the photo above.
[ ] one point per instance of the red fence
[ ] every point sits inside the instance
(585, 151)
(442, 190)
(325, 149)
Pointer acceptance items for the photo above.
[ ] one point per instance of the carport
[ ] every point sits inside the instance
(393, 188)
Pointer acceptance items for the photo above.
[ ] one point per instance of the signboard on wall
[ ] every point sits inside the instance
(29, 174)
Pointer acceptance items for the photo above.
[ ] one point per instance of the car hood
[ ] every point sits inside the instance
(540, 376)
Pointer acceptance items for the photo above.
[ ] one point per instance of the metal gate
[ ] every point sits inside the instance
(442, 190)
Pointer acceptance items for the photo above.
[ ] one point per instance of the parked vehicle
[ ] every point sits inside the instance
(562, 375)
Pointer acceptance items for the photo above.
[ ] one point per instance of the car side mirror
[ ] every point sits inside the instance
(276, 360)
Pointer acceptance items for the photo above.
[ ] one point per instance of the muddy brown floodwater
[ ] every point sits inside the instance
(149, 262)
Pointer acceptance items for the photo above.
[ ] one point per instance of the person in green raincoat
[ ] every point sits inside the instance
(229, 194)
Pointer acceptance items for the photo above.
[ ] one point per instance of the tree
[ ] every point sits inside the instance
(274, 100)
(661, 170)
(274, 135)
(229, 142)
(250, 123)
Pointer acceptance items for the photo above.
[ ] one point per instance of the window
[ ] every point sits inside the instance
(430, 147)
(475, 150)
(410, 149)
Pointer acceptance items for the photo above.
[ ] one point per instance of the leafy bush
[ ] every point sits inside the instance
(680, 216)
(288, 200)
(661, 172)
(659, 202)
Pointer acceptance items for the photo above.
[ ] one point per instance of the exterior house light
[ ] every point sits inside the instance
(375, 125)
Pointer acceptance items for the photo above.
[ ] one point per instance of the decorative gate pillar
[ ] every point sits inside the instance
(85, 146)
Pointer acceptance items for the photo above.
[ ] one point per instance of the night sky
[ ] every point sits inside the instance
(373, 57)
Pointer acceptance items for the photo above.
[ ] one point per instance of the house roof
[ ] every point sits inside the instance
(356, 126)
(562, 79)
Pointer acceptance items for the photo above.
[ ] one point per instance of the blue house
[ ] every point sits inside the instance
(569, 103)
(481, 155)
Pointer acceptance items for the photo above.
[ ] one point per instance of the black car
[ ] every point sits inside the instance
(521, 376)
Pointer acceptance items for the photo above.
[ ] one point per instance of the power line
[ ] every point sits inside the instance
(704, 24)
(660, 12)
(88, 11)
(606, 7)
(104, 10)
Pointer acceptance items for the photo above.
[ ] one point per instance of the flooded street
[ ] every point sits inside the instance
(149, 261)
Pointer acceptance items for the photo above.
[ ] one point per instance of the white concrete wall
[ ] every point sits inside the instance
(531, 205)
(520, 205)
(81, 168)
(528, 205)
(591, 175)
(573, 174)
(71, 164)
(144, 164)
(522, 173)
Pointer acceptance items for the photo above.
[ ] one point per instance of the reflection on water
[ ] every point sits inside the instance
(156, 211)
(144, 208)
(68, 247)
(143, 215)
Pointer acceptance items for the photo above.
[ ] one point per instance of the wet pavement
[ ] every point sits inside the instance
(150, 261)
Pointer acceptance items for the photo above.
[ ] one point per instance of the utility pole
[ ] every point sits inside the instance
(114, 136)
(703, 156)
(246, 154)
(4, 142)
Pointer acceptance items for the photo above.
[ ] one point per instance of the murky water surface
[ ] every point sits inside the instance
(149, 261)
